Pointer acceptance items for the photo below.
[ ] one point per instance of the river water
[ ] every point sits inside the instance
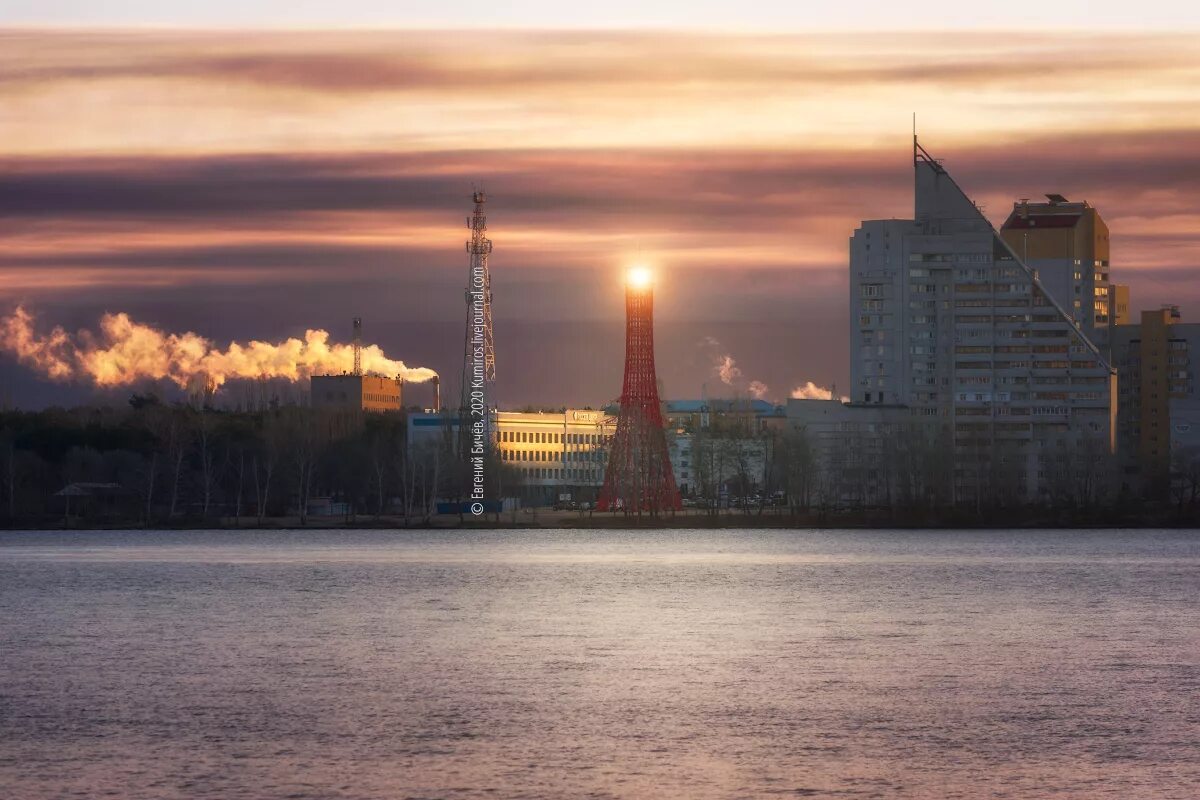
(556, 664)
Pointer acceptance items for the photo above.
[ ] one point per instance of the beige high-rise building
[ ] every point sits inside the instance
(1066, 245)
(1159, 419)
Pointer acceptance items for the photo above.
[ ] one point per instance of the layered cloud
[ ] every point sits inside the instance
(301, 215)
(334, 170)
(413, 90)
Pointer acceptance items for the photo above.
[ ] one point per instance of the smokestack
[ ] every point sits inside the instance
(358, 346)
(437, 394)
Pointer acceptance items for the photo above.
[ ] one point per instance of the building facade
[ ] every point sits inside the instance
(719, 446)
(362, 392)
(1066, 245)
(852, 451)
(948, 321)
(556, 453)
(1159, 407)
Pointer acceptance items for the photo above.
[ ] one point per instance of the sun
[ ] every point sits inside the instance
(639, 278)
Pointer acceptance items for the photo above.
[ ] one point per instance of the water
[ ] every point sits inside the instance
(553, 664)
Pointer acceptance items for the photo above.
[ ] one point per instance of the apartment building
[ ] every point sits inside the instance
(947, 320)
(1158, 421)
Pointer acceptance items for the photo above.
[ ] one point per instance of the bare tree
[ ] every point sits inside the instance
(241, 483)
(1185, 478)
(265, 461)
(151, 478)
(8, 446)
(177, 451)
(204, 448)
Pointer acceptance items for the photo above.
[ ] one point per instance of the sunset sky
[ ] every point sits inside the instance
(244, 182)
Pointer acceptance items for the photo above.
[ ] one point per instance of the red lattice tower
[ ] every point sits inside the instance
(638, 478)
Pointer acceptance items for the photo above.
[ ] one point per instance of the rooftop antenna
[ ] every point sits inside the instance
(358, 346)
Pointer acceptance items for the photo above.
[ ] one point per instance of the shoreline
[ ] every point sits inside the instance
(574, 520)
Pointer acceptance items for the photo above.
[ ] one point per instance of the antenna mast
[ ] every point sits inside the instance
(478, 380)
(358, 346)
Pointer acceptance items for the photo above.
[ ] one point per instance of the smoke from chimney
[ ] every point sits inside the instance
(125, 352)
(810, 391)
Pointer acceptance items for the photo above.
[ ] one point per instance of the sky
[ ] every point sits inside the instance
(760, 15)
(218, 177)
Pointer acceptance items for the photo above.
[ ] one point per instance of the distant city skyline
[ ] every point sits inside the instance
(252, 185)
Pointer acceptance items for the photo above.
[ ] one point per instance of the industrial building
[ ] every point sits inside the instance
(564, 453)
(948, 321)
(720, 413)
(355, 391)
(362, 392)
(556, 453)
(1159, 409)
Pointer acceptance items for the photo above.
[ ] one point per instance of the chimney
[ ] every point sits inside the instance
(358, 346)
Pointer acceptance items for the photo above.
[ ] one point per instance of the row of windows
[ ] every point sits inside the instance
(550, 455)
(977, 258)
(552, 474)
(1004, 411)
(549, 437)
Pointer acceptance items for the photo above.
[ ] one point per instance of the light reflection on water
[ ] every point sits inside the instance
(602, 663)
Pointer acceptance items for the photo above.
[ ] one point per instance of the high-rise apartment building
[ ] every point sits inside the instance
(948, 320)
(1066, 245)
(1159, 414)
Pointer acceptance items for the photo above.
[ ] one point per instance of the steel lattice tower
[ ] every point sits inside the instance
(478, 379)
(638, 477)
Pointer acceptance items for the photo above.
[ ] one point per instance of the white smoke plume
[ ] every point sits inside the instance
(758, 390)
(810, 391)
(724, 366)
(125, 352)
(727, 370)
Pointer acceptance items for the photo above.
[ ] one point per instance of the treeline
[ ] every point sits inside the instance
(914, 474)
(154, 463)
(157, 463)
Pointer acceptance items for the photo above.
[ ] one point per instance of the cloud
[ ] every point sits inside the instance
(411, 91)
(531, 61)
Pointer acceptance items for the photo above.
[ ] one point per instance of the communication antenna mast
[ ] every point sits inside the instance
(358, 346)
(479, 348)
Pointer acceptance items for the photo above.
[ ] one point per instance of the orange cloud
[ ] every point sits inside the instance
(420, 90)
